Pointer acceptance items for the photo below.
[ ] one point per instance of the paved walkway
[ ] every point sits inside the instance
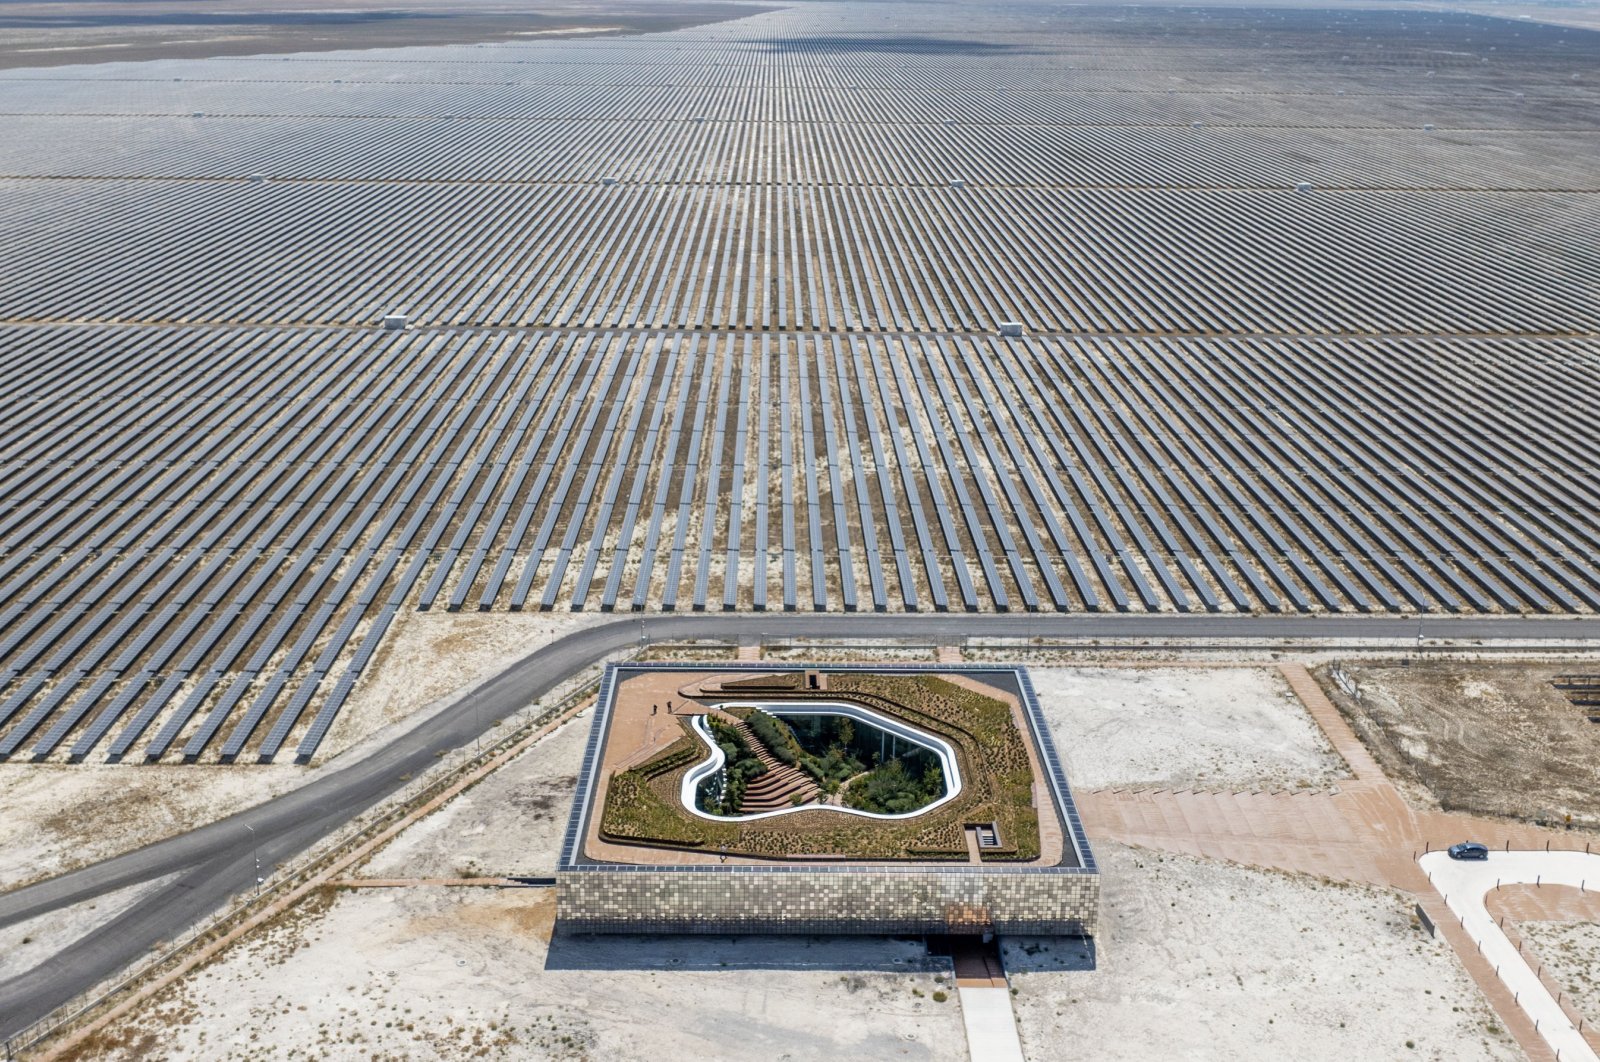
(991, 1026)
(411, 883)
(1334, 727)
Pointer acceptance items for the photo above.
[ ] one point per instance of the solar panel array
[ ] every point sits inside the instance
(704, 320)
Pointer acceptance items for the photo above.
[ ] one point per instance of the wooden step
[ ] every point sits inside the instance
(777, 789)
(761, 751)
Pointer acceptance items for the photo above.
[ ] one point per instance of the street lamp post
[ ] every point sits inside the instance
(255, 846)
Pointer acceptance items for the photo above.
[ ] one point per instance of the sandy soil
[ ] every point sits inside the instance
(56, 32)
(61, 816)
(509, 824)
(428, 659)
(26, 944)
(430, 973)
(58, 817)
(1570, 952)
(1486, 739)
(1209, 728)
(833, 653)
(1204, 960)
(1583, 14)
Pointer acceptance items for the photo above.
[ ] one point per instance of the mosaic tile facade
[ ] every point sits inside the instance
(861, 899)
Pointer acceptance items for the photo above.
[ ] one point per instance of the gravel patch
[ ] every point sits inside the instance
(1570, 952)
(510, 824)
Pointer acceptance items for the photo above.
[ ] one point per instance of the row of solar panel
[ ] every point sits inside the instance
(251, 530)
(803, 257)
(1174, 153)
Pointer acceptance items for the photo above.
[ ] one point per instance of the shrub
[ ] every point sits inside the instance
(776, 736)
(681, 753)
(634, 811)
(893, 789)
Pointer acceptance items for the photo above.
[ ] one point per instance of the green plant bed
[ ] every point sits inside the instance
(685, 752)
(636, 813)
(641, 809)
(775, 735)
(896, 786)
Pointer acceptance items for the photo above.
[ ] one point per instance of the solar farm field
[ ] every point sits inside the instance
(710, 319)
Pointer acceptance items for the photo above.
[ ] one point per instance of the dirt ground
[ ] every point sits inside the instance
(1570, 952)
(1486, 739)
(1195, 959)
(428, 659)
(1206, 960)
(58, 816)
(432, 973)
(61, 32)
(509, 824)
(1579, 14)
(1207, 728)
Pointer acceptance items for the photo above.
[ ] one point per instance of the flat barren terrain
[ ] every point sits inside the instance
(43, 33)
(1570, 951)
(1494, 740)
(1178, 728)
(1204, 960)
(436, 973)
(509, 824)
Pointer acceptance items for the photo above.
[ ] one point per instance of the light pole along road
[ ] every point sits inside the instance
(216, 861)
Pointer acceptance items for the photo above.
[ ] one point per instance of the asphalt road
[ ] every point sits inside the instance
(216, 861)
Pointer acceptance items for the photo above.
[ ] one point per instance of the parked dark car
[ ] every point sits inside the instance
(1469, 850)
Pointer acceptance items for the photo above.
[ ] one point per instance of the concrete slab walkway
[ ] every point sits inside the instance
(991, 1026)
(1464, 885)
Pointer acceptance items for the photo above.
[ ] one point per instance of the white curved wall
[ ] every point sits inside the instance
(905, 731)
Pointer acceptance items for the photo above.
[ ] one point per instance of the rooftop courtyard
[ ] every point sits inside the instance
(933, 786)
